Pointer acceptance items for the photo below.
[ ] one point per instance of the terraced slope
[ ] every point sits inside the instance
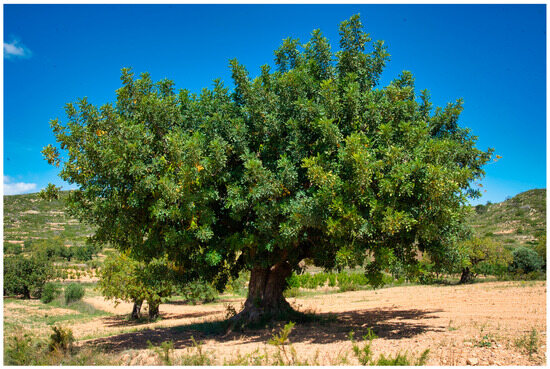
(27, 217)
(520, 220)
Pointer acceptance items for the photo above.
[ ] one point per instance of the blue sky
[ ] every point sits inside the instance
(493, 56)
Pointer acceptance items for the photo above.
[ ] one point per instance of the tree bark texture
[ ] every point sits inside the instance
(265, 293)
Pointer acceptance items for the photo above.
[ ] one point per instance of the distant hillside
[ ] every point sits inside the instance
(28, 217)
(513, 222)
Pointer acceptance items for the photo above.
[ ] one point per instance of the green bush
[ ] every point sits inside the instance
(61, 339)
(26, 275)
(73, 292)
(198, 291)
(50, 291)
(525, 260)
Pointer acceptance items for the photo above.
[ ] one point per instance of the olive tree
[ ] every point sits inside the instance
(310, 159)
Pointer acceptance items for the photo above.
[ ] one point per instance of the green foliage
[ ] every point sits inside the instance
(50, 291)
(238, 285)
(61, 339)
(52, 248)
(20, 349)
(365, 355)
(26, 275)
(525, 260)
(529, 342)
(345, 281)
(51, 192)
(165, 351)
(281, 338)
(198, 291)
(13, 249)
(540, 248)
(73, 292)
(122, 278)
(196, 355)
(310, 160)
(485, 256)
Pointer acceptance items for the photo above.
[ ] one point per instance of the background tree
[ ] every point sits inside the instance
(483, 255)
(26, 275)
(51, 192)
(124, 279)
(311, 160)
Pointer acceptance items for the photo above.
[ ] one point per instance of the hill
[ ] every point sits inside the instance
(518, 221)
(28, 217)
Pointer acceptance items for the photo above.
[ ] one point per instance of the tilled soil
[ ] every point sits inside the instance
(479, 324)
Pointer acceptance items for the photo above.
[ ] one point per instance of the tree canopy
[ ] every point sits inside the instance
(310, 159)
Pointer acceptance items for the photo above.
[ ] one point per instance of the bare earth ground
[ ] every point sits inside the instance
(457, 323)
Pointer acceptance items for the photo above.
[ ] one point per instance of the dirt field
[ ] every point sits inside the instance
(478, 324)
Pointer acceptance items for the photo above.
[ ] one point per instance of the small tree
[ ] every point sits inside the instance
(26, 275)
(51, 192)
(482, 250)
(123, 278)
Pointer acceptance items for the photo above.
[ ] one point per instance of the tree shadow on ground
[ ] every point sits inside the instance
(189, 303)
(125, 321)
(387, 323)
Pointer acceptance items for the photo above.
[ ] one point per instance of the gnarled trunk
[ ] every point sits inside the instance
(136, 310)
(467, 276)
(265, 293)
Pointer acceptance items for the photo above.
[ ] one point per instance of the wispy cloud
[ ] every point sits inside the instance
(15, 49)
(16, 188)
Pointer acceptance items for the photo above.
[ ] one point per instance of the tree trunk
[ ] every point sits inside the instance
(265, 294)
(467, 276)
(153, 310)
(136, 310)
(26, 292)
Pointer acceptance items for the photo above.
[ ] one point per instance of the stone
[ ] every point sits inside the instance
(472, 361)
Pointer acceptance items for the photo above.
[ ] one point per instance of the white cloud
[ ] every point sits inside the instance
(16, 50)
(17, 187)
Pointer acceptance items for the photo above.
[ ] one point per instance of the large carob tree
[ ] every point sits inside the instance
(311, 160)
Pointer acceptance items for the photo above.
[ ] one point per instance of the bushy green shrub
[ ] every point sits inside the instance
(26, 275)
(61, 339)
(50, 291)
(85, 253)
(198, 291)
(73, 292)
(525, 260)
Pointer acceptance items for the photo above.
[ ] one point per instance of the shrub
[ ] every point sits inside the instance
(61, 339)
(50, 291)
(73, 292)
(199, 291)
(26, 275)
(525, 260)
